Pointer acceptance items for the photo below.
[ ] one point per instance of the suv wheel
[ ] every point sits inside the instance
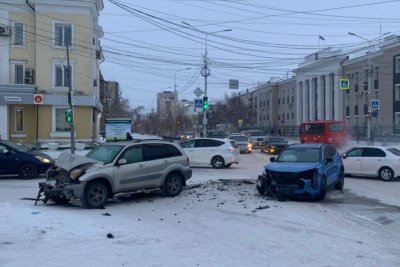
(340, 183)
(27, 171)
(95, 195)
(217, 162)
(173, 185)
(322, 188)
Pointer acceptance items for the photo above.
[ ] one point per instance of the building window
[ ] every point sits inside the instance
(61, 77)
(267, 117)
(356, 110)
(397, 92)
(18, 34)
(397, 64)
(19, 119)
(287, 116)
(365, 109)
(63, 34)
(61, 124)
(347, 111)
(397, 118)
(19, 73)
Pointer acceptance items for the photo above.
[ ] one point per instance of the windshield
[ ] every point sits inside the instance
(105, 154)
(239, 138)
(257, 133)
(300, 155)
(276, 140)
(15, 146)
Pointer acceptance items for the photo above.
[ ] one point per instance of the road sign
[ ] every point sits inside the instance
(374, 113)
(38, 99)
(198, 103)
(375, 104)
(240, 122)
(198, 92)
(344, 84)
(233, 84)
(205, 72)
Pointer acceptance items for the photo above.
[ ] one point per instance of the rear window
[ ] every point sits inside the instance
(394, 151)
(172, 151)
(239, 138)
(257, 133)
(216, 133)
(336, 127)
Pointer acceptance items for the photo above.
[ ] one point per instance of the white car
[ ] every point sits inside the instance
(383, 162)
(218, 153)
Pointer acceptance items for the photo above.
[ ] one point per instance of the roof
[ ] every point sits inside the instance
(313, 145)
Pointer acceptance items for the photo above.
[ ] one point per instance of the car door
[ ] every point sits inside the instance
(8, 160)
(206, 149)
(189, 149)
(132, 174)
(352, 161)
(331, 164)
(373, 158)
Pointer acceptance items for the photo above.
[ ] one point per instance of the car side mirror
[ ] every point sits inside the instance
(344, 156)
(122, 161)
(272, 159)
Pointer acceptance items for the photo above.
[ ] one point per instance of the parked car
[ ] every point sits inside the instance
(242, 142)
(187, 136)
(273, 145)
(383, 162)
(218, 153)
(256, 137)
(216, 134)
(18, 159)
(303, 169)
(115, 168)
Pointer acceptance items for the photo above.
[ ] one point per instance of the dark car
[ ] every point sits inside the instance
(303, 169)
(273, 145)
(216, 134)
(18, 159)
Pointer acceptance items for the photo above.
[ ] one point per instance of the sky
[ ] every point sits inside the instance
(147, 43)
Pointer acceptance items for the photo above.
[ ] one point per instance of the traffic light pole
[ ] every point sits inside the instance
(205, 72)
(70, 103)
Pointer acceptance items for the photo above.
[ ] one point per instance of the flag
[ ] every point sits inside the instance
(321, 38)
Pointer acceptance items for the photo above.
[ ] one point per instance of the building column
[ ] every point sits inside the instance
(4, 73)
(328, 98)
(321, 97)
(299, 103)
(338, 99)
(311, 100)
(4, 122)
(305, 101)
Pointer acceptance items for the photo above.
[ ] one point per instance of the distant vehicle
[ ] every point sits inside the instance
(242, 142)
(218, 153)
(273, 145)
(303, 169)
(117, 168)
(216, 134)
(256, 137)
(18, 159)
(383, 162)
(187, 136)
(328, 132)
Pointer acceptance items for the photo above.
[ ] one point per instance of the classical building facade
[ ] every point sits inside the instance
(33, 60)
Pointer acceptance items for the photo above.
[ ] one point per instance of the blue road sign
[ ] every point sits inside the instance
(375, 104)
(374, 113)
(198, 103)
(344, 84)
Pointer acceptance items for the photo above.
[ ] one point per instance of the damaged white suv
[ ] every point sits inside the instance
(116, 168)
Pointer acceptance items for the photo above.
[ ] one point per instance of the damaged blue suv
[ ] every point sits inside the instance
(303, 169)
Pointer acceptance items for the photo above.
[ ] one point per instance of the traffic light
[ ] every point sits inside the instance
(205, 102)
(68, 117)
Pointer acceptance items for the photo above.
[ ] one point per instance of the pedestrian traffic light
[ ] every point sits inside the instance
(205, 102)
(68, 117)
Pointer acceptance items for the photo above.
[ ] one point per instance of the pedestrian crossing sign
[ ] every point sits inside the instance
(344, 84)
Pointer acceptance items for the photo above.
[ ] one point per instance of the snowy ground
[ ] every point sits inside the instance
(212, 223)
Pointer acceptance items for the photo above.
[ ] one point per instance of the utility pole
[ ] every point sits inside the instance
(70, 94)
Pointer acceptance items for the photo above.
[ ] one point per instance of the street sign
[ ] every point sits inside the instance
(240, 122)
(233, 84)
(198, 92)
(38, 99)
(375, 104)
(374, 113)
(344, 84)
(198, 103)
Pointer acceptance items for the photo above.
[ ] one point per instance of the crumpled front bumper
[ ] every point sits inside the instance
(49, 190)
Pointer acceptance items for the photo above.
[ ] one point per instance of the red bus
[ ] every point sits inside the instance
(328, 132)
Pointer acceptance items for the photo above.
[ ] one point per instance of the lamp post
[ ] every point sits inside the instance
(205, 71)
(369, 79)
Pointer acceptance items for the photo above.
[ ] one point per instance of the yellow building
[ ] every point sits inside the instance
(34, 36)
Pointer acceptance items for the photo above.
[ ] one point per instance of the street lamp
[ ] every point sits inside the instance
(175, 78)
(369, 78)
(205, 71)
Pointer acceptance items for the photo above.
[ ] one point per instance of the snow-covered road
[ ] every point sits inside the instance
(212, 223)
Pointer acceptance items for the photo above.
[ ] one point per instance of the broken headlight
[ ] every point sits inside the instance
(75, 174)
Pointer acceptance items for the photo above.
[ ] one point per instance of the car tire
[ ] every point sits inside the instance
(323, 188)
(261, 188)
(173, 185)
(27, 171)
(95, 195)
(340, 183)
(386, 174)
(60, 200)
(217, 162)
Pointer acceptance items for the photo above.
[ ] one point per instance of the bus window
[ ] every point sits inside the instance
(315, 128)
(336, 127)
